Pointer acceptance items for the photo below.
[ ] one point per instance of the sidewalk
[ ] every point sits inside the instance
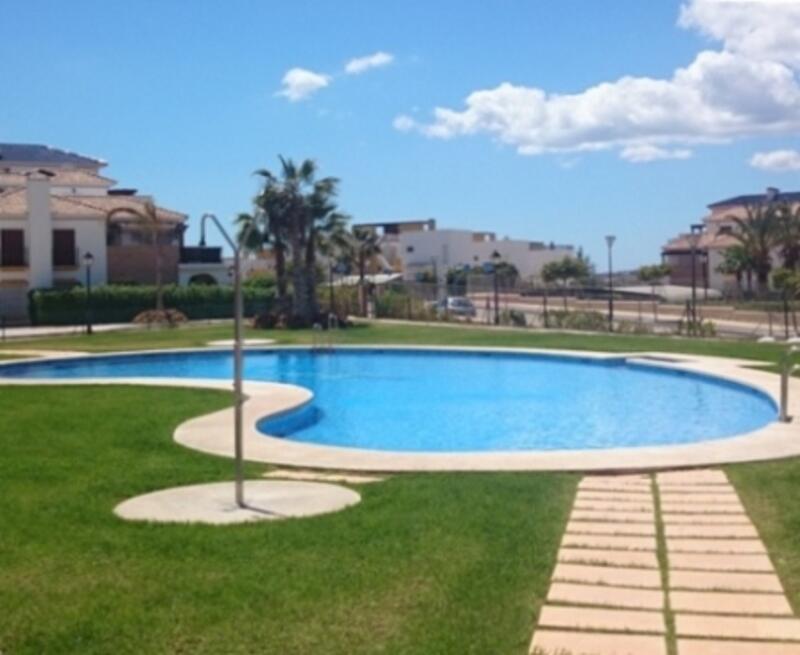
(672, 564)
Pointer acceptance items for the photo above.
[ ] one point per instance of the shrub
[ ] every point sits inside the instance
(120, 304)
(588, 321)
(170, 317)
(513, 317)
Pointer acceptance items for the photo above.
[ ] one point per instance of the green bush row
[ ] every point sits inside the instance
(120, 304)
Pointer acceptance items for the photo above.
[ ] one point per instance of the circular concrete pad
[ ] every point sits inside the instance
(245, 342)
(214, 503)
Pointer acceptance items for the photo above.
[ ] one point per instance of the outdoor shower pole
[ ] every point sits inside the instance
(238, 364)
(787, 368)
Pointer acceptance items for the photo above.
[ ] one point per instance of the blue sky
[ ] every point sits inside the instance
(182, 99)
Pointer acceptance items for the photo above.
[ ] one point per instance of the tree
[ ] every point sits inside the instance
(147, 217)
(787, 281)
(267, 227)
(653, 275)
(295, 214)
(565, 271)
(757, 234)
(364, 245)
(736, 261)
(787, 235)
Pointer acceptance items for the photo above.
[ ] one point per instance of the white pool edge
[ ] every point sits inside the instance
(213, 433)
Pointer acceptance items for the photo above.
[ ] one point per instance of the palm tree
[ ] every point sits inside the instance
(757, 235)
(294, 214)
(788, 235)
(365, 244)
(147, 216)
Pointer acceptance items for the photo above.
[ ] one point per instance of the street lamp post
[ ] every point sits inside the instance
(696, 229)
(496, 257)
(88, 260)
(610, 239)
(238, 359)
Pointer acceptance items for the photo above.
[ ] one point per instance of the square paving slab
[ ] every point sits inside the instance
(607, 575)
(554, 642)
(729, 603)
(711, 531)
(630, 558)
(715, 647)
(737, 627)
(596, 527)
(603, 595)
(720, 562)
(603, 515)
(717, 581)
(617, 542)
(594, 618)
(677, 545)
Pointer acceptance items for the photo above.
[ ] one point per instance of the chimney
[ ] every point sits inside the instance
(40, 231)
(772, 193)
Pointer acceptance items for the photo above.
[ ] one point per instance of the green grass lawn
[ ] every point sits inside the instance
(197, 336)
(425, 564)
(771, 494)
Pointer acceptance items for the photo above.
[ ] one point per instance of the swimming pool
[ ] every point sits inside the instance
(462, 401)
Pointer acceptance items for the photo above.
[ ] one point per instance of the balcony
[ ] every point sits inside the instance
(201, 255)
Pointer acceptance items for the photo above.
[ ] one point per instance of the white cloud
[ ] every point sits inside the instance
(301, 83)
(404, 123)
(363, 64)
(646, 152)
(748, 87)
(777, 160)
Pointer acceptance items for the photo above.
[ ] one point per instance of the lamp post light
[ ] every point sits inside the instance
(696, 230)
(496, 257)
(238, 359)
(610, 239)
(88, 260)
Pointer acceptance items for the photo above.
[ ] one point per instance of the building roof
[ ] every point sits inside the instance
(106, 204)
(35, 154)
(71, 177)
(756, 199)
(707, 241)
(14, 204)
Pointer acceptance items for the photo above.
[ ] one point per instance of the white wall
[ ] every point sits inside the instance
(455, 248)
(39, 237)
(90, 236)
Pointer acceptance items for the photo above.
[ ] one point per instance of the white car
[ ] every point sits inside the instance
(456, 306)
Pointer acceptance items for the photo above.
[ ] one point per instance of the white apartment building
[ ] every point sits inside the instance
(54, 208)
(412, 247)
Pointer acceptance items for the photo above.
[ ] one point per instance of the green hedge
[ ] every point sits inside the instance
(120, 304)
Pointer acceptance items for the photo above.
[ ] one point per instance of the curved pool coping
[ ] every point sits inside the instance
(213, 433)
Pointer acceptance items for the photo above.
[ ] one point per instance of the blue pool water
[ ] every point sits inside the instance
(463, 401)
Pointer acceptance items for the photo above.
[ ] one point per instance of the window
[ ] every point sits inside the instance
(64, 248)
(12, 248)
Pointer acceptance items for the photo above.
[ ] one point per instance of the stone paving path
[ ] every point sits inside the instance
(660, 565)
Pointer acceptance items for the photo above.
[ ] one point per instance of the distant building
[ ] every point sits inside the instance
(54, 208)
(416, 246)
(715, 238)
